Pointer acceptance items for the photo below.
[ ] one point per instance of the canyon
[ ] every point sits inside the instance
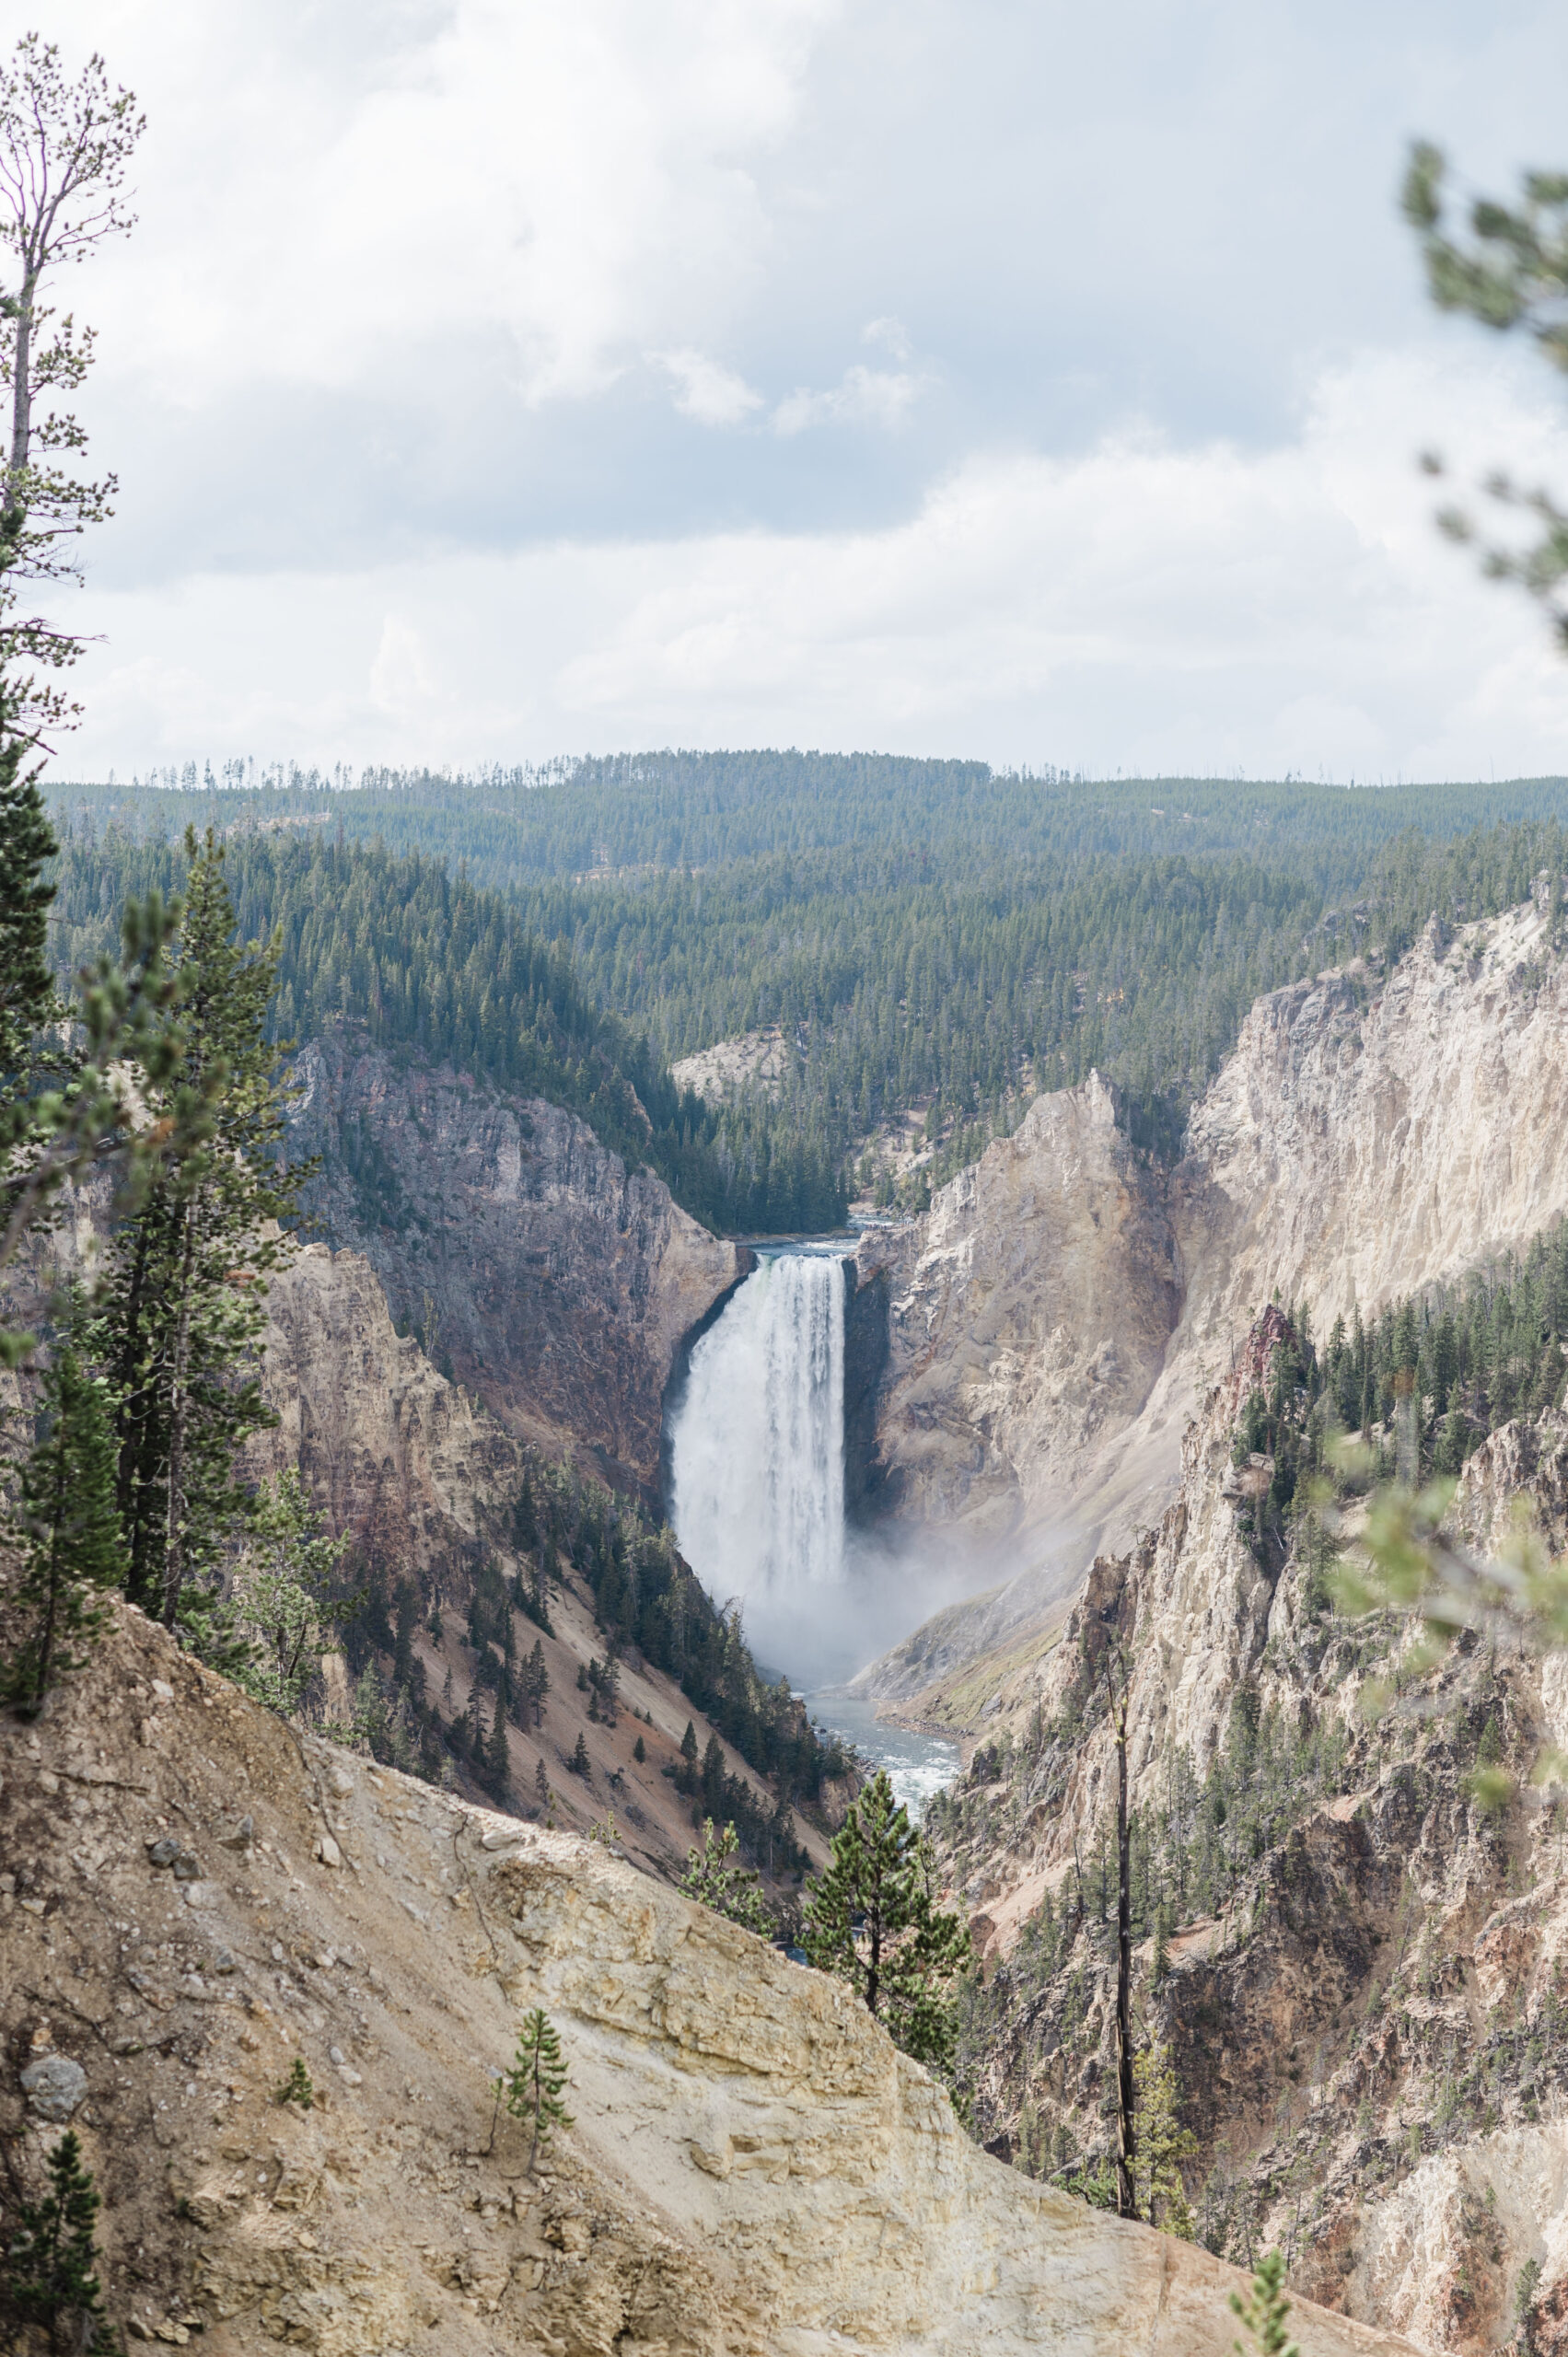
(1042, 1376)
(1057, 1316)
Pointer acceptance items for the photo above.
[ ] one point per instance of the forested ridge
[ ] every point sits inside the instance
(427, 961)
(926, 935)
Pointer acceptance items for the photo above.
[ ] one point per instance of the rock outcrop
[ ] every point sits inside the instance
(192, 1900)
(534, 1268)
(1368, 1137)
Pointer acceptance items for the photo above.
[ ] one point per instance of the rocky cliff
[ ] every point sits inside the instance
(391, 1451)
(1031, 1313)
(534, 1268)
(752, 2167)
(1062, 1308)
(1354, 1954)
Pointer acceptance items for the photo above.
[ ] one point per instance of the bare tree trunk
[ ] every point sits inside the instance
(1126, 2131)
(21, 408)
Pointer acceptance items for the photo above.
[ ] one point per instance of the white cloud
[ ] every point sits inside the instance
(579, 181)
(401, 683)
(1142, 607)
(891, 334)
(864, 396)
(706, 390)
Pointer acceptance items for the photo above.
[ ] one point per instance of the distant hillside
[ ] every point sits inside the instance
(930, 937)
(431, 964)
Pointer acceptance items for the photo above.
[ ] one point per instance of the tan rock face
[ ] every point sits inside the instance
(534, 1268)
(717, 1072)
(1361, 1142)
(1005, 1367)
(391, 1450)
(753, 2167)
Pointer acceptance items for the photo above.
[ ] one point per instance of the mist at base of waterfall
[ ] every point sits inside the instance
(756, 1484)
(891, 1582)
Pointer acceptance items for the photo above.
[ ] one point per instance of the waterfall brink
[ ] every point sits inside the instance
(757, 1448)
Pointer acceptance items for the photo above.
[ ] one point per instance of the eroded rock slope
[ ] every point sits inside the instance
(1365, 1964)
(532, 1265)
(1062, 1310)
(753, 2167)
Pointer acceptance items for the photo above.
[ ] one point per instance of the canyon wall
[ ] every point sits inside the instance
(1370, 2030)
(390, 1450)
(1062, 1310)
(752, 2165)
(534, 1268)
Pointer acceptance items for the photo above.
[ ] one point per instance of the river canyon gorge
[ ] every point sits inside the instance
(919, 1464)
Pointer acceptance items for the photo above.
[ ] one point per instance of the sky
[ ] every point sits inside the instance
(489, 380)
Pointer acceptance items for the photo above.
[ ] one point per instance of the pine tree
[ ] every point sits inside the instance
(712, 1779)
(497, 1758)
(1162, 2145)
(537, 2080)
(715, 1876)
(48, 2276)
(536, 1684)
(182, 1318)
(870, 1918)
(579, 1763)
(281, 1613)
(639, 1751)
(1263, 2315)
(72, 1553)
(542, 1784)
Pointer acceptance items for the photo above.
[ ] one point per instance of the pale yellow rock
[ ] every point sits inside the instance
(1061, 1311)
(753, 2166)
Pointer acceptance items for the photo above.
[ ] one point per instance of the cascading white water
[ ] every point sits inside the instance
(756, 1449)
(757, 1499)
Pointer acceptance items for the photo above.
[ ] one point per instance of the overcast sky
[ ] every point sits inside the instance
(488, 380)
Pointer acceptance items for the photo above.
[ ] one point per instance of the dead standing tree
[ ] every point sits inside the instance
(64, 150)
(1115, 1670)
(1106, 1661)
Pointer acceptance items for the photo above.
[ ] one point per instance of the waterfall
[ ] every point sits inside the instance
(756, 1449)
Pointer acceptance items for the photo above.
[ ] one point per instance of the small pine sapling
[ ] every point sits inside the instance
(1162, 2144)
(537, 2080)
(715, 1876)
(297, 2087)
(1263, 2316)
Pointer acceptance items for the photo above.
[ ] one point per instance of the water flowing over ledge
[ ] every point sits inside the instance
(757, 1454)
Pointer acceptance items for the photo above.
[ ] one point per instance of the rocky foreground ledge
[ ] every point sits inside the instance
(192, 1897)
